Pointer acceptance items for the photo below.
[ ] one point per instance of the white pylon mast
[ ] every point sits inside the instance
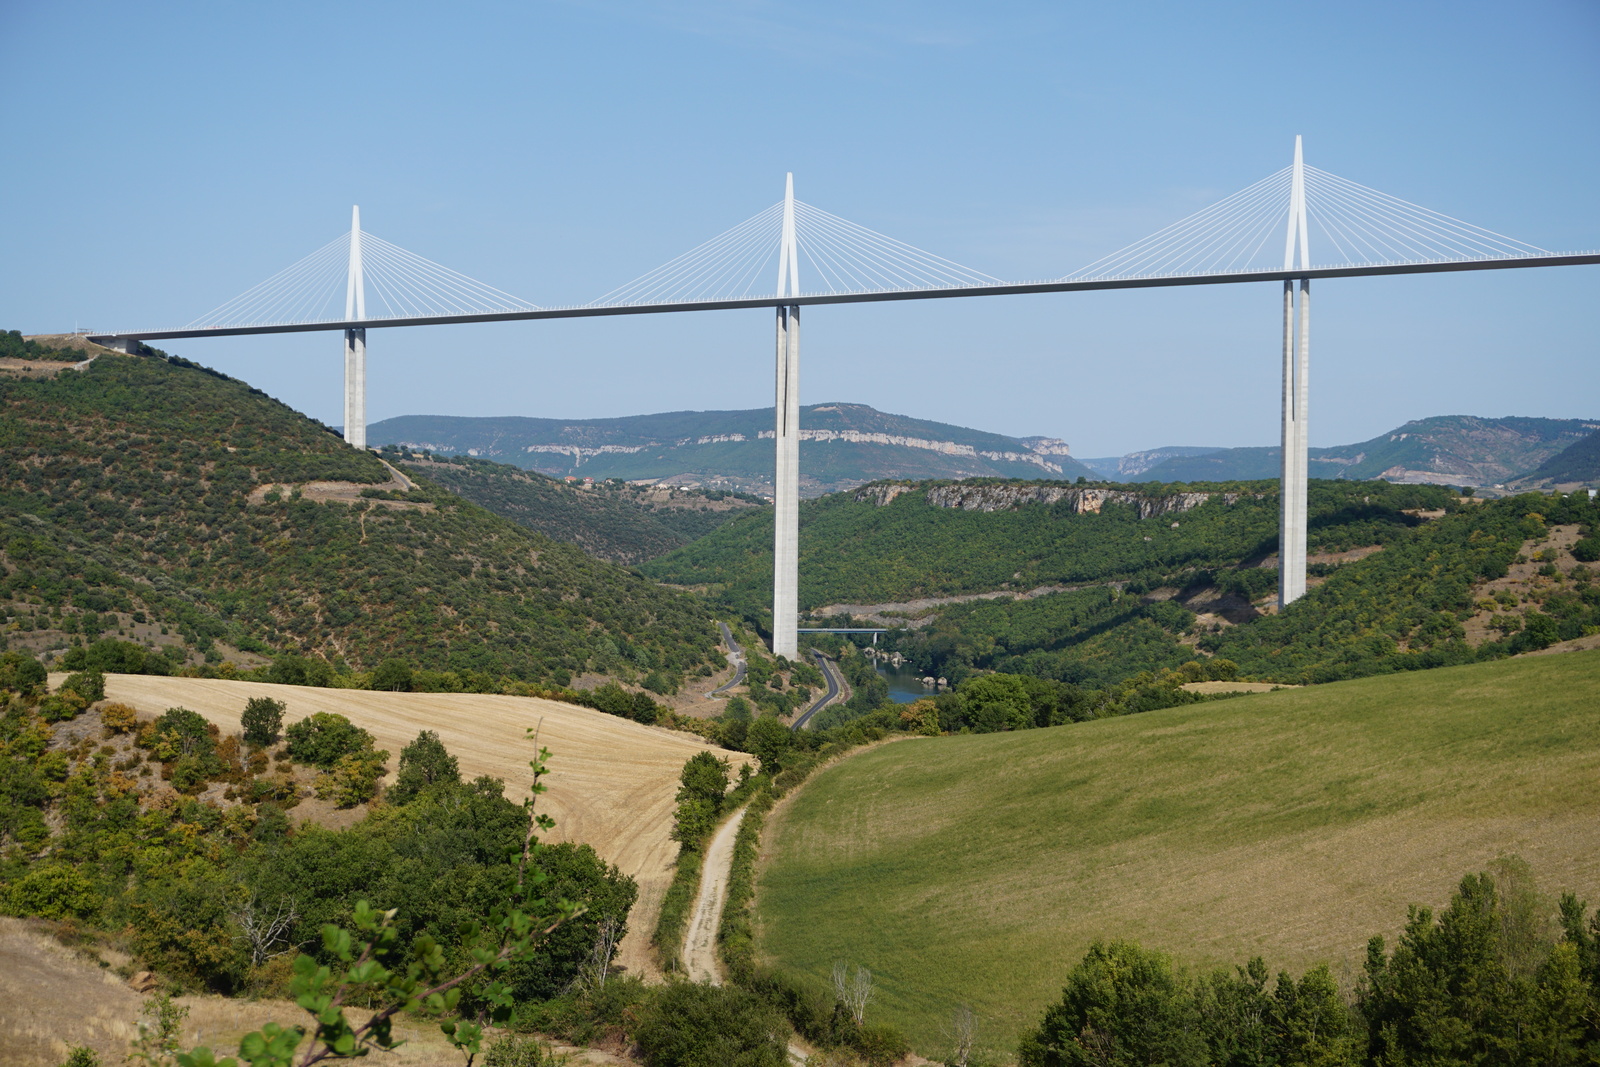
(786, 479)
(1296, 397)
(355, 342)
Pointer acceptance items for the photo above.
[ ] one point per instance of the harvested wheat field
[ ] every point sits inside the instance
(611, 781)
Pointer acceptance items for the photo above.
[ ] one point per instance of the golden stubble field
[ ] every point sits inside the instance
(611, 781)
(1291, 825)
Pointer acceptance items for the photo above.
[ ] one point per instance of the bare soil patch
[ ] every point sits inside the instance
(56, 997)
(345, 492)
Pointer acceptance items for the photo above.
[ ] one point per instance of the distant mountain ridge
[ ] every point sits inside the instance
(845, 445)
(1446, 449)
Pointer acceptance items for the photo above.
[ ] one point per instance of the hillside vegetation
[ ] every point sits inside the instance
(1290, 825)
(1018, 577)
(612, 520)
(1578, 464)
(153, 499)
(901, 541)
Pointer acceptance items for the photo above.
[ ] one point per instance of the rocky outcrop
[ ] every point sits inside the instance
(948, 448)
(1081, 499)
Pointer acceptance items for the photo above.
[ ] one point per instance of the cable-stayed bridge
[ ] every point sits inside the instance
(1356, 231)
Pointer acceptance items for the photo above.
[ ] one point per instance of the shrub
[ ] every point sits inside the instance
(520, 1050)
(81, 1056)
(322, 739)
(190, 774)
(261, 720)
(54, 891)
(62, 706)
(118, 718)
(881, 1045)
(688, 1025)
(353, 779)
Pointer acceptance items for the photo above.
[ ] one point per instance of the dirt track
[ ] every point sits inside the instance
(700, 944)
(611, 781)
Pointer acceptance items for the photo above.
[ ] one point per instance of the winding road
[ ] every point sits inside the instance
(735, 657)
(830, 671)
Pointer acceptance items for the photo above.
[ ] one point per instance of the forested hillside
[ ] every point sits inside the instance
(854, 549)
(1403, 577)
(153, 499)
(613, 520)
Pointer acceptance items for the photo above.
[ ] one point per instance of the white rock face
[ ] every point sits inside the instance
(1081, 499)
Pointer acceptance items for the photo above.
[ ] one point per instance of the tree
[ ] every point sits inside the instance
(1477, 984)
(424, 762)
(392, 675)
(261, 720)
(22, 673)
(702, 784)
(1122, 1007)
(769, 741)
(853, 989)
(997, 702)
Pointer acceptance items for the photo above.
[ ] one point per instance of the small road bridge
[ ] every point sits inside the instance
(1356, 231)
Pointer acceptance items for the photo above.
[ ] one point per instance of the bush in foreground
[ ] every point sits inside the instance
(689, 1025)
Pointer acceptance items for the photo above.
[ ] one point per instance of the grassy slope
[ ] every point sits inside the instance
(1293, 825)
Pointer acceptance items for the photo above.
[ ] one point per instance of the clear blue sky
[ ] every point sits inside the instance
(162, 157)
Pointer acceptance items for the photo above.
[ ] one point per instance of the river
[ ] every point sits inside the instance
(905, 684)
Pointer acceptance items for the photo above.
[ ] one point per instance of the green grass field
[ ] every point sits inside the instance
(1291, 825)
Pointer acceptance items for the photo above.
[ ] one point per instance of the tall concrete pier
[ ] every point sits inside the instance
(355, 342)
(786, 478)
(1296, 397)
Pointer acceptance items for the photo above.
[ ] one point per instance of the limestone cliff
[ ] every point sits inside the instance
(1081, 499)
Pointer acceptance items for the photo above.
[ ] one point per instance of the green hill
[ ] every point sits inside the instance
(1292, 825)
(1453, 449)
(613, 520)
(156, 500)
(844, 446)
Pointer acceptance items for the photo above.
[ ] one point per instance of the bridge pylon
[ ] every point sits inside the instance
(355, 342)
(786, 476)
(1292, 487)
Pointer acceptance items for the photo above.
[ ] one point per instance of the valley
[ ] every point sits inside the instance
(1133, 742)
